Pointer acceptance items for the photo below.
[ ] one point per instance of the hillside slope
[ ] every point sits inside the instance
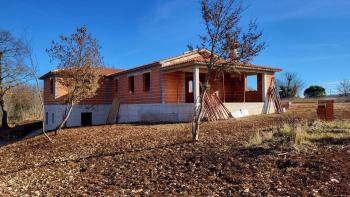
(160, 159)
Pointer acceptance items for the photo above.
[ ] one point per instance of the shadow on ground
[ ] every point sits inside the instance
(17, 133)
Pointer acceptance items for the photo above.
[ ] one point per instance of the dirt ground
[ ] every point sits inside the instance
(161, 160)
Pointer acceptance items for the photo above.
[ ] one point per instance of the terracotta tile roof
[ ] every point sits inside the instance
(195, 58)
(185, 59)
(110, 71)
(104, 72)
(146, 66)
(251, 67)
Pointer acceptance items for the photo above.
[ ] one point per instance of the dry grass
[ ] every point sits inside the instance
(300, 134)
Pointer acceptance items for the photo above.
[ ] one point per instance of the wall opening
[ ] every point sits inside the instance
(47, 118)
(252, 83)
(131, 84)
(86, 119)
(51, 86)
(189, 89)
(146, 82)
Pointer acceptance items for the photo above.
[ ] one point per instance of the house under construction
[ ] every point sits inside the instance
(162, 91)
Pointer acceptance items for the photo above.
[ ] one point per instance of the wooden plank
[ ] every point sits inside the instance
(113, 112)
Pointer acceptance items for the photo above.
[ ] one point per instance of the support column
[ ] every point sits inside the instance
(245, 86)
(264, 88)
(196, 88)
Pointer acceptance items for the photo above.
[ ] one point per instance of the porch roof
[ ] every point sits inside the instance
(191, 58)
(247, 67)
(196, 58)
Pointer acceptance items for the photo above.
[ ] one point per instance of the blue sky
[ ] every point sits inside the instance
(309, 37)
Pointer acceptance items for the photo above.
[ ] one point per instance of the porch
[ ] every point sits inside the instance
(183, 85)
(243, 94)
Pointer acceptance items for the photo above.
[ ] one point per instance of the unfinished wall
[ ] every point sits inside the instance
(234, 89)
(174, 87)
(256, 96)
(56, 112)
(103, 93)
(57, 95)
(139, 95)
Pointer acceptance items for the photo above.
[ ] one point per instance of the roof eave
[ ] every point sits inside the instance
(246, 68)
(147, 66)
(47, 75)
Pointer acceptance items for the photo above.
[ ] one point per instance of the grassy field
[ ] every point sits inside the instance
(278, 154)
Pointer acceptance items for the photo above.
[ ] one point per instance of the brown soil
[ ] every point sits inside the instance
(161, 160)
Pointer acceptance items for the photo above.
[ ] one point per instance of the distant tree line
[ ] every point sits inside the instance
(23, 104)
(18, 98)
(290, 85)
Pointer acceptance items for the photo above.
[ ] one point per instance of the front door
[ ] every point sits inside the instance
(189, 89)
(86, 119)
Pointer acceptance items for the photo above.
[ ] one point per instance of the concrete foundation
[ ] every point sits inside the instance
(182, 112)
(132, 113)
(54, 115)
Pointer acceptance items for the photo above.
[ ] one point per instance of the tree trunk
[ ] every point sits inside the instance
(4, 122)
(199, 109)
(197, 118)
(65, 119)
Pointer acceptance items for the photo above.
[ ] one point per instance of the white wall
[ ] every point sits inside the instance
(99, 115)
(239, 110)
(182, 112)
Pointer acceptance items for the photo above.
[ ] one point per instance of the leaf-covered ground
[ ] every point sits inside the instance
(161, 160)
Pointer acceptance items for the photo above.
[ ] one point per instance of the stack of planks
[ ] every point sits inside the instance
(113, 113)
(214, 109)
(274, 97)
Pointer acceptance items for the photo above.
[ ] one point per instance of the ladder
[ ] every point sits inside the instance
(273, 97)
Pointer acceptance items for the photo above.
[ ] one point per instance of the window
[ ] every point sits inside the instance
(47, 118)
(131, 84)
(116, 85)
(52, 118)
(51, 86)
(252, 83)
(146, 82)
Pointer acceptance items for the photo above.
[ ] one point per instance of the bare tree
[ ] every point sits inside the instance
(224, 45)
(13, 70)
(344, 88)
(290, 85)
(79, 64)
(33, 70)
